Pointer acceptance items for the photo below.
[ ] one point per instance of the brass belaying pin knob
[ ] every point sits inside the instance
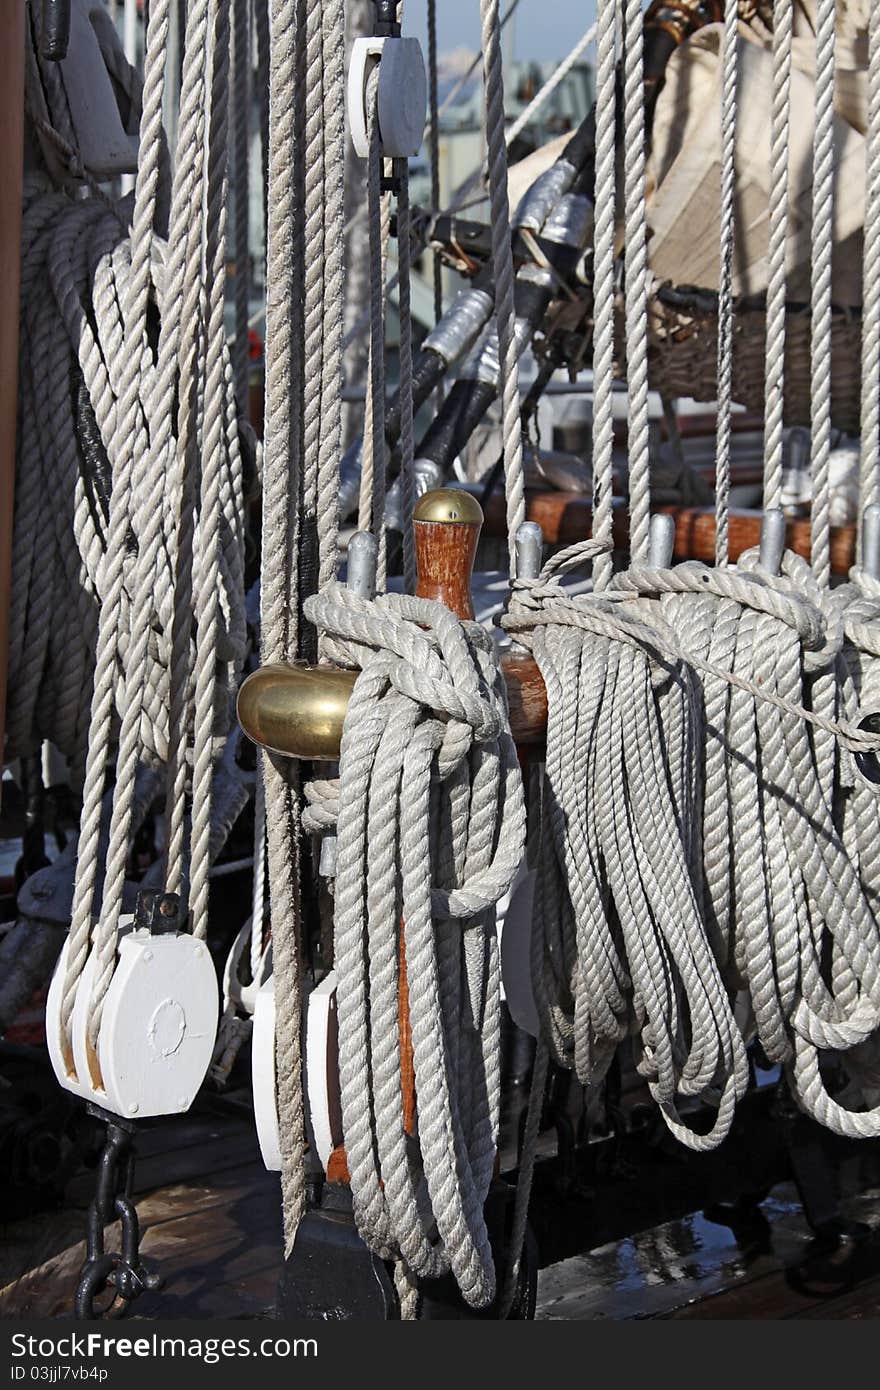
(298, 710)
(446, 527)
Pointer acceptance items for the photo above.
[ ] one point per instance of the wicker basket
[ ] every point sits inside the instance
(683, 351)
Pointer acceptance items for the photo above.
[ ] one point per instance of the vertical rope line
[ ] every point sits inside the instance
(603, 333)
(434, 149)
(371, 510)
(261, 35)
(502, 260)
(407, 444)
(258, 895)
(774, 370)
(821, 249)
(725, 280)
(240, 157)
(181, 330)
(869, 480)
(104, 690)
(359, 17)
(189, 222)
(279, 610)
(638, 435)
(330, 448)
(311, 159)
(207, 549)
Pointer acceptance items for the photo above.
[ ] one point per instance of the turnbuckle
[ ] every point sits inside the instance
(123, 1270)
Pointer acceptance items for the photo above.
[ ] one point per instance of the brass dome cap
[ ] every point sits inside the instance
(449, 504)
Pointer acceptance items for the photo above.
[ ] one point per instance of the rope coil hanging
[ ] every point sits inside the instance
(431, 825)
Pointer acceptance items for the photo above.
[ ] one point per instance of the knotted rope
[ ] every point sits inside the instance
(430, 819)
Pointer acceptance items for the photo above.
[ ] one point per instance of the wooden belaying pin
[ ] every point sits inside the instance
(446, 527)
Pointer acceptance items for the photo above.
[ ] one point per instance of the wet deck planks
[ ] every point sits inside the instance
(211, 1220)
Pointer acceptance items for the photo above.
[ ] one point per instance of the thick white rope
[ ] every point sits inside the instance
(869, 472)
(279, 609)
(608, 14)
(774, 375)
(638, 433)
(91, 290)
(371, 507)
(333, 287)
(502, 262)
(821, 254)
(241, 96)
(621, 945)
(431, 825)
(725, 278)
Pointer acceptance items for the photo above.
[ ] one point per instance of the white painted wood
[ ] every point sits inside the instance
(263, 1076)
(402, 100)
(158, 1027)
(322, 1068)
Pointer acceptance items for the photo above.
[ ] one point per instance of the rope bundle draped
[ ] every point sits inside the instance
(784, 822)
(129, 633)
(620, 943)
(430, 820)
(75, 338)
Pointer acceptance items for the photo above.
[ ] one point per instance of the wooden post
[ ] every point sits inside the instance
(11, 154)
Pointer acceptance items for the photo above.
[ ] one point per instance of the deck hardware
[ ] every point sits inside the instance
(123, 1271)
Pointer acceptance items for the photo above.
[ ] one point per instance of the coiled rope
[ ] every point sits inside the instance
(430, 824)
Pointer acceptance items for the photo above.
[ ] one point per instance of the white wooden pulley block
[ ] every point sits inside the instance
(402, 98)
(323, 1109)
(263, 1076)
(158, 1026)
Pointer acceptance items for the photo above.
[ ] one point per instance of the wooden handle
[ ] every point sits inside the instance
(446, 526)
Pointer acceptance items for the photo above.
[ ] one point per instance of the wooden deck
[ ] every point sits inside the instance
(211, 1221)
(210, 1216)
